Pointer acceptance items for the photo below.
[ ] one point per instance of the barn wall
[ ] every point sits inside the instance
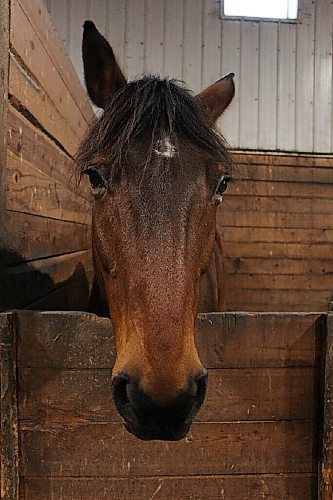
(283, 70)
(45, 242)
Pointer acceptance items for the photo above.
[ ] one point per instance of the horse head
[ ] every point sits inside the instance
(157, 168)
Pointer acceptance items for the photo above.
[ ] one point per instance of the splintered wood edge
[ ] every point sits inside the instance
(326, 465)
(9, 449)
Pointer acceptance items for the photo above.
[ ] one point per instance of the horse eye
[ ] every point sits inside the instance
(96, 177)
(223, 184)
(221, 188)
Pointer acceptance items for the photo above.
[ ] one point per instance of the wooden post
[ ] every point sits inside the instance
(326, 472)
(4, 64)
(9, 423)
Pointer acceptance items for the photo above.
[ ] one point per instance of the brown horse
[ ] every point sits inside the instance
(158, 169)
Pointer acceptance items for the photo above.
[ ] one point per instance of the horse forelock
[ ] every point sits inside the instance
(160, 112)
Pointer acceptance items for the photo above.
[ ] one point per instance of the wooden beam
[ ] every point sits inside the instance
(4, 61)
(326, 472)
(9, 428)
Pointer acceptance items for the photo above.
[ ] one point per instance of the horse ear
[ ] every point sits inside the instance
(217, 97)
(102, 74)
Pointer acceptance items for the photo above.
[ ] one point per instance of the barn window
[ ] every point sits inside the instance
(267, 9)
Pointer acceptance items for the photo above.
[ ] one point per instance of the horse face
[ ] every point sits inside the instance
(150, 159)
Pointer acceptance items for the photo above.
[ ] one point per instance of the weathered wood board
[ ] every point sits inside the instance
(257, 435)
(45, 215)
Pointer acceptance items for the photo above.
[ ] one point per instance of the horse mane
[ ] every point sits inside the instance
(155, 108)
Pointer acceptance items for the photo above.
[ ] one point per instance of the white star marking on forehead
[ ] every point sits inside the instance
(165, 148)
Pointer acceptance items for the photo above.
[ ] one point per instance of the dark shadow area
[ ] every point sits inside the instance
(24, 287)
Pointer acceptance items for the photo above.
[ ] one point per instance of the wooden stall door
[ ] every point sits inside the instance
(257, 435)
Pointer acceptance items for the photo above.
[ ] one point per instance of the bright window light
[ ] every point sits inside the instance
(269, 9)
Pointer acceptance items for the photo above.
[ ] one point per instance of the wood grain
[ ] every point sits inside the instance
(9, 439)
(229, 448)
(33, 192)
(224, 340)
(326, 470)
(73, 398)
(236, 487)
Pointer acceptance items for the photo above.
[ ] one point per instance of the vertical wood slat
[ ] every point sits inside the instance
(115, 28)
(9, 421)
(77, 16)
(4, 63)
(326, 469)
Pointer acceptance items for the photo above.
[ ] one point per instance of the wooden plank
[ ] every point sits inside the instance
(40, 20)
(259, 204)
(34, 55)
(59, 17)
(286, 116)
(27, 282)
(28, 142)
(9, 442)
(277, 250)
(231, 46)
(285, 189)
(224, 340)
(293, 160)
(134, 37)
(249, 85)
(266, 235)
(228, 448)
(173, 39)
(31, 191)
(278, 300)
(36, 237)
(276, 220)
(267, 97)
(305, 41)
(154, 37)
(245, 487)
(32, 97)
(192, 45)
(54, 398)
(326, 459)
(285, 282)
(4, 61)
(241, 265)
(290, 174)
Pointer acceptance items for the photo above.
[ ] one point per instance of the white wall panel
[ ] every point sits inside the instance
(283, 70)
(267, 95)
(249, 85)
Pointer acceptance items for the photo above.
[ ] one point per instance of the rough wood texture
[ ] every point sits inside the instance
(46, 250)
(326, 473)
(277, 222)
(9, 423)
(256, 435)
(4, 61)
(237, 487)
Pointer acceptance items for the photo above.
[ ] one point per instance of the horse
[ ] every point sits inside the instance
(158, 168)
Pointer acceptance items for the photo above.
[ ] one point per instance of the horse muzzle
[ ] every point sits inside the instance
(146, 419)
